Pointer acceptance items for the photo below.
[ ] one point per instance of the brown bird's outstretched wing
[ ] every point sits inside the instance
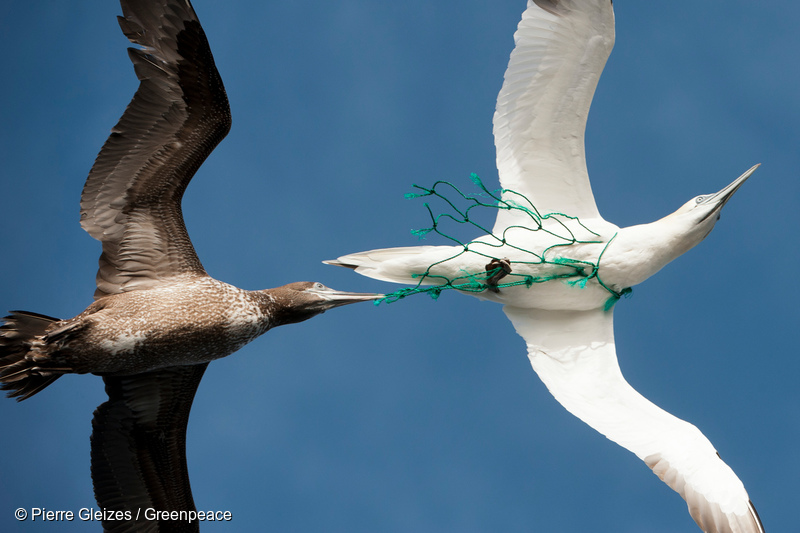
(139, 448)
(132, 198)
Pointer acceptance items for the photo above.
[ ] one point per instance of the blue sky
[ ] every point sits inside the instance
(420, 415)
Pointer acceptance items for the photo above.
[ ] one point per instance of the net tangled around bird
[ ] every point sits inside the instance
(575, 272)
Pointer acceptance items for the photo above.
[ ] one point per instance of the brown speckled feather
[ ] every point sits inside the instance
(131, 199)
(145, 414)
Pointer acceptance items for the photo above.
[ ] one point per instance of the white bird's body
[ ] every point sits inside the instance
(580, 262)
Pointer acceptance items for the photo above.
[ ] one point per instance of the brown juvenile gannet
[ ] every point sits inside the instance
(158, 318)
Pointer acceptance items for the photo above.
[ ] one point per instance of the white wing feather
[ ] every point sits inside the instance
(573, 353)
(542, 107)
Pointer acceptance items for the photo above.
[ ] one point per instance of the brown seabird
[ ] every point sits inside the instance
(158, 318)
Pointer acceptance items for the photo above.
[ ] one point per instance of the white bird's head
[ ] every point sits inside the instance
(699, 214)
(647, 248)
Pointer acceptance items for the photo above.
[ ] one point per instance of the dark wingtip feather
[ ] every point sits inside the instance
(556, 7)
(757, 518)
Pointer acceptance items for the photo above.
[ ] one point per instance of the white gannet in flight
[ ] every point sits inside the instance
(539, 124)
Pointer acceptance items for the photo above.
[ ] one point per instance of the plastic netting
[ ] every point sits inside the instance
(498, 273)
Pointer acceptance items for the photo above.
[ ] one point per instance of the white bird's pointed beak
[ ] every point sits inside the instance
(721, 198)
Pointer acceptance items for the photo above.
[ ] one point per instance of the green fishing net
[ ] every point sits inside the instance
(461, 209)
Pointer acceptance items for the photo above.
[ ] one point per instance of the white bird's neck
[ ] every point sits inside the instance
(638, 252)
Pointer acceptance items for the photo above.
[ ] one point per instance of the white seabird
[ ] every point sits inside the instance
(567, 322)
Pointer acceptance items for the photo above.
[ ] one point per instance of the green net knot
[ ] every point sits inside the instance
(577, 273)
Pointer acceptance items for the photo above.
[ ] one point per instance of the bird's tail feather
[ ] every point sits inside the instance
(398, 265)
(20, 373)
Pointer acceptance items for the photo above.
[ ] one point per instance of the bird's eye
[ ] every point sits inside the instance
(319, 286)
(699, 200)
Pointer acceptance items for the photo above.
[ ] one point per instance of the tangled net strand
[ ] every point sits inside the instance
(576, 272)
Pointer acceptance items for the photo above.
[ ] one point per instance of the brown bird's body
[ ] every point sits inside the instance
(158, 318)
(179, 323)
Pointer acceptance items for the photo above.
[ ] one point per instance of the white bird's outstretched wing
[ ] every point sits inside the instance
(573, 353)
(561, 49)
